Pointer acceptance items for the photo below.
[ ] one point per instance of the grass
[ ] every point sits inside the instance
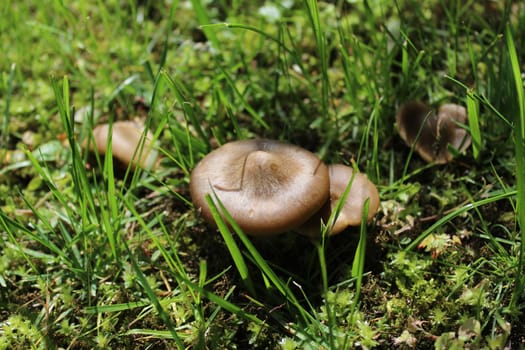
(519, 141)
(96, 257)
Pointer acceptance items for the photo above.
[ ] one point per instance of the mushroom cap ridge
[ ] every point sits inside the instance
(267, 186)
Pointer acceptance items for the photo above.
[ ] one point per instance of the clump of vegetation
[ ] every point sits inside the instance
(96, 256)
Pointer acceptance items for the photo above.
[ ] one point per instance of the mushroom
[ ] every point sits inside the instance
(352, 209)
(267, 186)
(430, 133)
(127, 145)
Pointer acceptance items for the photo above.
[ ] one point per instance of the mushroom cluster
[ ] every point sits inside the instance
(431, 134)
(270, 187)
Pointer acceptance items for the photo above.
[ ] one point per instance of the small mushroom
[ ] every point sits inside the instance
(432, 133)
(127, 145)
(352, 209)
(268, 186)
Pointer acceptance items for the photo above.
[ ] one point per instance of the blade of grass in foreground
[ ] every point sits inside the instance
(153, 298)
(358, 264)
(327, 229)
(473, 121)
(14, 229)
(481, 99)
(180, 91)
(473, 109)
(116, 307)
(232, 246)
(268, 273)
(79, 175)
(449, 217)
(519, 139)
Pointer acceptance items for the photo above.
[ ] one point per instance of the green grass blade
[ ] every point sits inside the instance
(473, 108)
(255, 30)
(519, 140)
(481, 99)
(330, 312)
(202, 17)
(12, 228)
(312, 11)
(225, 304)
(473, 121)
(109, 207)
(233, 248)
(169, 24)
(142, 279)
(259, 261)
(5, 121)
(358, 264)
(180, 91)
(115, 307)
(243, 101)
(491, 199)
(154, 333)
(372, 165)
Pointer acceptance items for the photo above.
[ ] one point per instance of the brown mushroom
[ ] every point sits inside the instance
(268, 186)
(352, 209)
(127, 145)
(430, 134)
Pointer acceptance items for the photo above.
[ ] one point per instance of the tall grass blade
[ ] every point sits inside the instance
(244, 103)
(225, 304)
(413, 148)
(519, 140)
(12, 228)
(358, 265)
(5, 121)
(180, 91)
(109, 210)
(330, 309)
(473, 121)
(168, 26)
(473, 108)
(153, 298)
(320, 39)
(233, 248)
(262, 265)
(202, 17)
(481, 99)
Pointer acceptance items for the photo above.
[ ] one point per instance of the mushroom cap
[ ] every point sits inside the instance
(126, 143)
(267, 186)
(448, 116)
(435, 131)
(352, 210)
